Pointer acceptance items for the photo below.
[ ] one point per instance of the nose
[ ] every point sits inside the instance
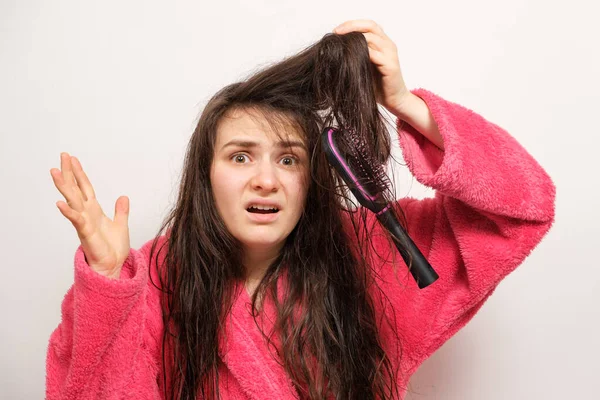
(265, 177)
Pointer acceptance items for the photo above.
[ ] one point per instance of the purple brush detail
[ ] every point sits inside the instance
(384, 210)
(346, 167)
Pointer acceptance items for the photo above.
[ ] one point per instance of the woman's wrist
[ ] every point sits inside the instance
(413, 110)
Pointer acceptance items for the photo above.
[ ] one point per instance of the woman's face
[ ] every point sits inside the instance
(253, 169)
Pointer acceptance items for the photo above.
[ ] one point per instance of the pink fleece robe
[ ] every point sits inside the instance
(493, 204)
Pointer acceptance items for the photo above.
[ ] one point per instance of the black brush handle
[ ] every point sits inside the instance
(421, 270)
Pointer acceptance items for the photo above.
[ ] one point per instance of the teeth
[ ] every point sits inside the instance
(263, 207)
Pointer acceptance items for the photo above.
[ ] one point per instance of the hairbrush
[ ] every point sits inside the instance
(353, 160)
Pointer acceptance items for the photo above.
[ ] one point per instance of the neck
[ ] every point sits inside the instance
(257, 261)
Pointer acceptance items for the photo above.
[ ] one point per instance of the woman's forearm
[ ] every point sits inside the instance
(415, 112)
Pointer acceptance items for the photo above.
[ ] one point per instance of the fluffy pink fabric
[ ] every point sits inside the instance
(493, 204)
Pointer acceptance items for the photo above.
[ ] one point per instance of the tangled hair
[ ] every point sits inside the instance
(331, 347)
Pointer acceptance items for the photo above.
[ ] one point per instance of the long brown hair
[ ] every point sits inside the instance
(332, 348)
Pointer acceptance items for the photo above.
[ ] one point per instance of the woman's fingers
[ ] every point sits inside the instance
(76, 218)
(58, 181)
(65, 168)
(84, 183)
(63, 187)
(360, 25)
(69, 181)
(376, 42)
(70, 188)
(122, 210)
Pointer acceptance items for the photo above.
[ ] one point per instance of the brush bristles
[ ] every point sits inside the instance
(370, 172)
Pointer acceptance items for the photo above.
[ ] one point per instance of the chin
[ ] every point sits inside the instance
(261, 239)
(265, 243)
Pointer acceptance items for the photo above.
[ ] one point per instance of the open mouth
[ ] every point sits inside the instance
(255, 210)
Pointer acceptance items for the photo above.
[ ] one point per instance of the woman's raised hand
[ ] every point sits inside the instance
(105, 242)
(391, 91)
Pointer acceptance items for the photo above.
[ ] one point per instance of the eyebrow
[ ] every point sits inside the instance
(251, 144)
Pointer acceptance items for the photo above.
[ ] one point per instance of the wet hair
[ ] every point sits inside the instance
(326, 321)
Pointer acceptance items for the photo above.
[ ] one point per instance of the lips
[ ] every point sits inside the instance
(263, 203)
(254, 209)
(262, 218)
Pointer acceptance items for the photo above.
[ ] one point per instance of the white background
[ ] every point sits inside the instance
(120, 84)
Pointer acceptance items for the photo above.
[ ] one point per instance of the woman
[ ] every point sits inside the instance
(264, 286)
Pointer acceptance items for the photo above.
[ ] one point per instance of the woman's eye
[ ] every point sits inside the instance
(290, 160)
(239, 158)
(242, 159)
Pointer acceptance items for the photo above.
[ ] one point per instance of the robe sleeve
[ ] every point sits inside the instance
(493, 204)
(106, 344)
